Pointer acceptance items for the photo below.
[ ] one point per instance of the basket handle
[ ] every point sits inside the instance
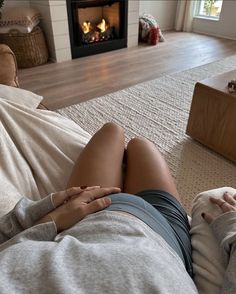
(37, 28)
(14, 32)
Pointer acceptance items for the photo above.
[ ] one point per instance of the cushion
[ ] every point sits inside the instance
(208, 264)
(20, 96)
(13, 17)
(8, 67)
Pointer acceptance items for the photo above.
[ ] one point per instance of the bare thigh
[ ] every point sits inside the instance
(147, 169)
(100, 163)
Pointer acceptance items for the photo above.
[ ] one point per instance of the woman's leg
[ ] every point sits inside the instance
(100, 163)
(147, 169)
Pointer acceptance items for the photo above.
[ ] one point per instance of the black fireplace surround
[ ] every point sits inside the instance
(119, 39)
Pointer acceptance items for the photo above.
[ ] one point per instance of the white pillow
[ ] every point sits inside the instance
(20, 96)
(208, 266)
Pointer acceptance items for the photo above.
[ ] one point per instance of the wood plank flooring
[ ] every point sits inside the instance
(71, 82)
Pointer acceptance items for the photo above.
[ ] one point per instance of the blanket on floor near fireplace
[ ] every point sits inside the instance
(37, 151)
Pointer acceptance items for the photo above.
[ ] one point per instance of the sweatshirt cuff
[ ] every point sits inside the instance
(46, 231)
(41, 232)
(28, 211)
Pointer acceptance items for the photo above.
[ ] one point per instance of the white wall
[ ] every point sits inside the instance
(163, 10)
(133, 23)
(225, 27)
(60, 29)
(17, 3)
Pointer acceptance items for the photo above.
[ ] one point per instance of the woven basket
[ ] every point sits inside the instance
(30, 49)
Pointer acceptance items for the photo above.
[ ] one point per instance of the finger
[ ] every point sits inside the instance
(97, 205)
(61, 197)
(73, 191)
(105, 191)
(217, 201)
(89, 196)
(82, 210)
(229, 198)
(77, 190)
(84, 188)
(207, 217)
(224, 206)
(92, 188)
(234, 196)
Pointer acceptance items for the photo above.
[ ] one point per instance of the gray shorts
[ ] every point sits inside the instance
(164, 214)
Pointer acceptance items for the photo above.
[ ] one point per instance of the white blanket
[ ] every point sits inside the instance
(37, 151)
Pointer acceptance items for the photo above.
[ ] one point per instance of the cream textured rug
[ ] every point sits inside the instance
(158, 110)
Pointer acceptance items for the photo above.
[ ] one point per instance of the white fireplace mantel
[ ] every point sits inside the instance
(55, 25)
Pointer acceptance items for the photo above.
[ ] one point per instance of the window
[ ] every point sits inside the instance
(209, 8)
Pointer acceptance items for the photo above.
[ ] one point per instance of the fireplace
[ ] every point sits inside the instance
(97, 26)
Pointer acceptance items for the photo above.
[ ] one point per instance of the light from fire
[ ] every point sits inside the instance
(97, 32)
(86, 26)
(102, 25)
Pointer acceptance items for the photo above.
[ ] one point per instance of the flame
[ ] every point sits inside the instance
(102, 25)
(86, 26)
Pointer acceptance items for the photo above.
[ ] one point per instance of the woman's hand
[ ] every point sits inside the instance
(226, 204)
(74, 204)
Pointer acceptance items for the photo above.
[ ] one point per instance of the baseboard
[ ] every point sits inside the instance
(215, 35)
(168, 29)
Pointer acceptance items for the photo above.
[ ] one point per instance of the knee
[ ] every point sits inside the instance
(113, 128)
(139, 142)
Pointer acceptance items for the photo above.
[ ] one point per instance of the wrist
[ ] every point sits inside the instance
(46, 219)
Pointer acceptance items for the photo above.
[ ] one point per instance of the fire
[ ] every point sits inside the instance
(96, 32)
(86, 26)
(102, 26)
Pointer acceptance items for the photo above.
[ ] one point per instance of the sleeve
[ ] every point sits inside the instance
(224, 228)
(23, 216)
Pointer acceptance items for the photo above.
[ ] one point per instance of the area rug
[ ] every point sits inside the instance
(158, 110)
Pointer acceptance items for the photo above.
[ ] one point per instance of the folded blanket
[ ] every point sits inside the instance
(146, 24)
(38, 149)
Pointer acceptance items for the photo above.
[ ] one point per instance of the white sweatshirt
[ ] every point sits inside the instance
(106, 252)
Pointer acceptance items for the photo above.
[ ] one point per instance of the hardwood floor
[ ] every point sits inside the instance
(71, 82)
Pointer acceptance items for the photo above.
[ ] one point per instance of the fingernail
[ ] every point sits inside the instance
(107, 201)
(83, 187)
(203, 215)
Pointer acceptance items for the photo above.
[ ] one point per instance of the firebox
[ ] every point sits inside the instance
(97, 26)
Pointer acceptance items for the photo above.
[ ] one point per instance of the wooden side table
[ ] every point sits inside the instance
(212, 118)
